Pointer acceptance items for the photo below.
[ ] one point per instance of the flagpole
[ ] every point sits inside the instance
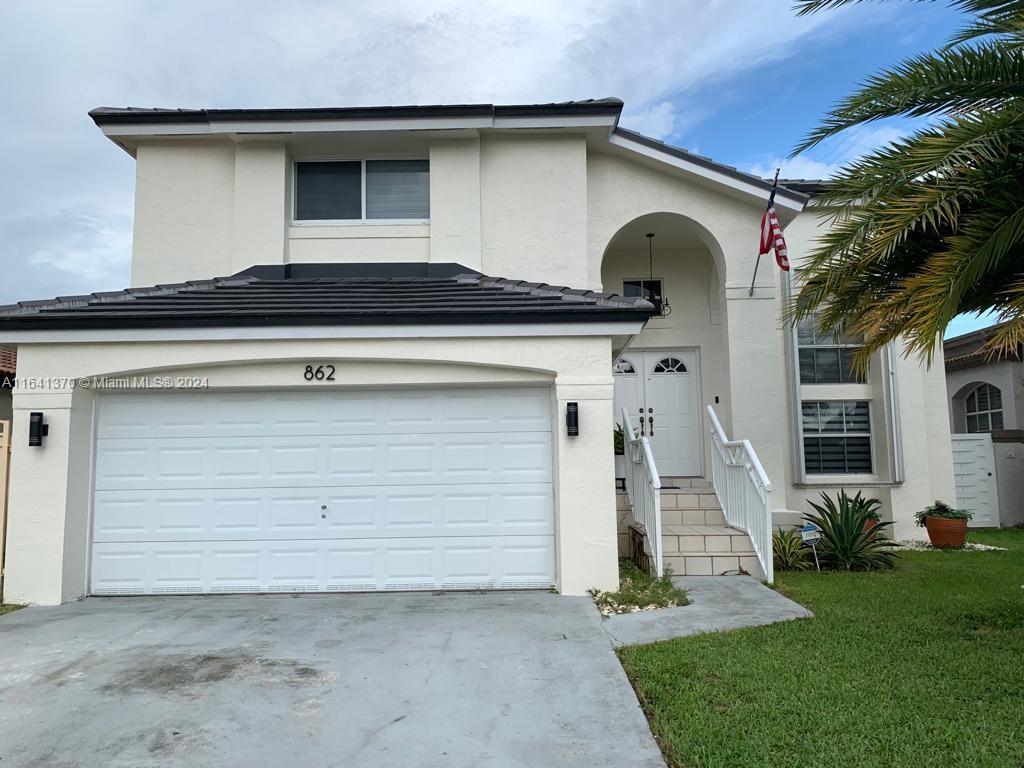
(753, 277)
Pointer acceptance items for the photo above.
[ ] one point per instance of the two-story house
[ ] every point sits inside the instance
(386, 348)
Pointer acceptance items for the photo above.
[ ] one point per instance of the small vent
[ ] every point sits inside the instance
(225, 588)
(179, 590)
(412, 586)
(293, 588)
(119, 591)
(525, 583)
(468, 585)
(350, 587)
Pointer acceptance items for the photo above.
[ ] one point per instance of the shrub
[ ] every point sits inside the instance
(943, 510)
(618, 440)
(789, 552)
(845, 545)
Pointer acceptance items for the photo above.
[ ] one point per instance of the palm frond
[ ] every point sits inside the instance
(984, 77)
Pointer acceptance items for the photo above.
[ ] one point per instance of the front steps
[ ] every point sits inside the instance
(696, 540)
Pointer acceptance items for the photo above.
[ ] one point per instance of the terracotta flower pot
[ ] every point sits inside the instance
(868, 525)
(945, 533)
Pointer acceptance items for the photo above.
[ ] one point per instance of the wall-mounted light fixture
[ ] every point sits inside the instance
(37, 429)
(572, 419)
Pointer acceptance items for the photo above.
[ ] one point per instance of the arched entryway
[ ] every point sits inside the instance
(679, 363)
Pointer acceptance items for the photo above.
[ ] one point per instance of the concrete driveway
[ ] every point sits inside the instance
(349, 680)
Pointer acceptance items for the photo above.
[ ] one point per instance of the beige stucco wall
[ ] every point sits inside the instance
(184, 212)
(533, 208)
(50, 489)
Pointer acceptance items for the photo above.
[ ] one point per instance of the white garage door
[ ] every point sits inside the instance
(325, 491)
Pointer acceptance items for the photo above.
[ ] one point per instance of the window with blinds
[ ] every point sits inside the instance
(826, 358)
(362, 190)
(837, 437)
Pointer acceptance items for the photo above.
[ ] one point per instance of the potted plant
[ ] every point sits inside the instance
(871, 508)
(618, 439)
(946, 525)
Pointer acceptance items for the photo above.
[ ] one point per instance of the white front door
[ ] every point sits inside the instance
(325, 491)
(974, 472)
(658, 388)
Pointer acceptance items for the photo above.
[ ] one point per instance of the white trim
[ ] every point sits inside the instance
(621, 328)
(221, 127)
(782, 198)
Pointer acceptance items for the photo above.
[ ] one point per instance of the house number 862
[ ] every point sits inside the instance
(320, 373)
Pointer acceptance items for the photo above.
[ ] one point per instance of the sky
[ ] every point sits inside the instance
(740, 81)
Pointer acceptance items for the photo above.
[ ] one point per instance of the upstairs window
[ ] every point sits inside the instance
(362, 190)
(984, 409)
(826, 358)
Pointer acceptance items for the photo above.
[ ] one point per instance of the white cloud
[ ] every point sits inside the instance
(61, 58)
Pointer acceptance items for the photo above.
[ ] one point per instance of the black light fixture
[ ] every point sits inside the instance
(572, 419)
(37, 429)
(660, 302)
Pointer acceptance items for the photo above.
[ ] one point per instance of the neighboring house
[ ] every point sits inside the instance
(986, 415)
(380, 390)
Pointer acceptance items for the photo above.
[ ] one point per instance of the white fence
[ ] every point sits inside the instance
(743, 489)
(643, 487)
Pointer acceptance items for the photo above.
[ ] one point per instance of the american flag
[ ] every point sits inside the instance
(771, 234)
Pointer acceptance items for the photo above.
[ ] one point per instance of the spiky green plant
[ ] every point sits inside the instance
(932, 225)
(789, 552)
(845, 545)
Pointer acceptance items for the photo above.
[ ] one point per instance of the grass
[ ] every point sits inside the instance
(919, 666)
(639, 590)
(9, 608)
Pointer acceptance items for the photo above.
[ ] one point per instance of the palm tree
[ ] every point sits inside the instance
(932, 225)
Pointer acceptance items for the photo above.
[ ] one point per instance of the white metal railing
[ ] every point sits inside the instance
(643, 485)
(743, 489)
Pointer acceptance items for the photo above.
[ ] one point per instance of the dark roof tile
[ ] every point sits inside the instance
(385, 294)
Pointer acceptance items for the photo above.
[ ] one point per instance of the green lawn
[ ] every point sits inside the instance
(920, 666)
(7, 608)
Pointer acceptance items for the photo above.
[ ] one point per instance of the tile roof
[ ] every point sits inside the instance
(8, 359)
(142, 115)
(706, 162)
(328, 294)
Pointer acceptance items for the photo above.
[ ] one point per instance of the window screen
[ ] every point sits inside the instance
(328, 191)
(397, 189)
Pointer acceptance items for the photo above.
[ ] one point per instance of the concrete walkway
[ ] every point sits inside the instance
(717, 603)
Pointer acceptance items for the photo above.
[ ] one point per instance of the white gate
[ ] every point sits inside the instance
(974, 471)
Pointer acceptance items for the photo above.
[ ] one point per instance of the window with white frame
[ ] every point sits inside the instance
(362, 190)
(836, 437)
(983, 408)
(826, 358)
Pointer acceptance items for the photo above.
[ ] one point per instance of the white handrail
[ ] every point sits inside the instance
(643, 486)
(743, 489)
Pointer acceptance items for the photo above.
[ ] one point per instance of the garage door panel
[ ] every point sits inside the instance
(323, 491)
(235, 462)
(318, 566)
(325, 412)
(284, 513)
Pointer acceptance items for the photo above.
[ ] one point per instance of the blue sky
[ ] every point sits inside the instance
(738, 80)
(762, 115)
